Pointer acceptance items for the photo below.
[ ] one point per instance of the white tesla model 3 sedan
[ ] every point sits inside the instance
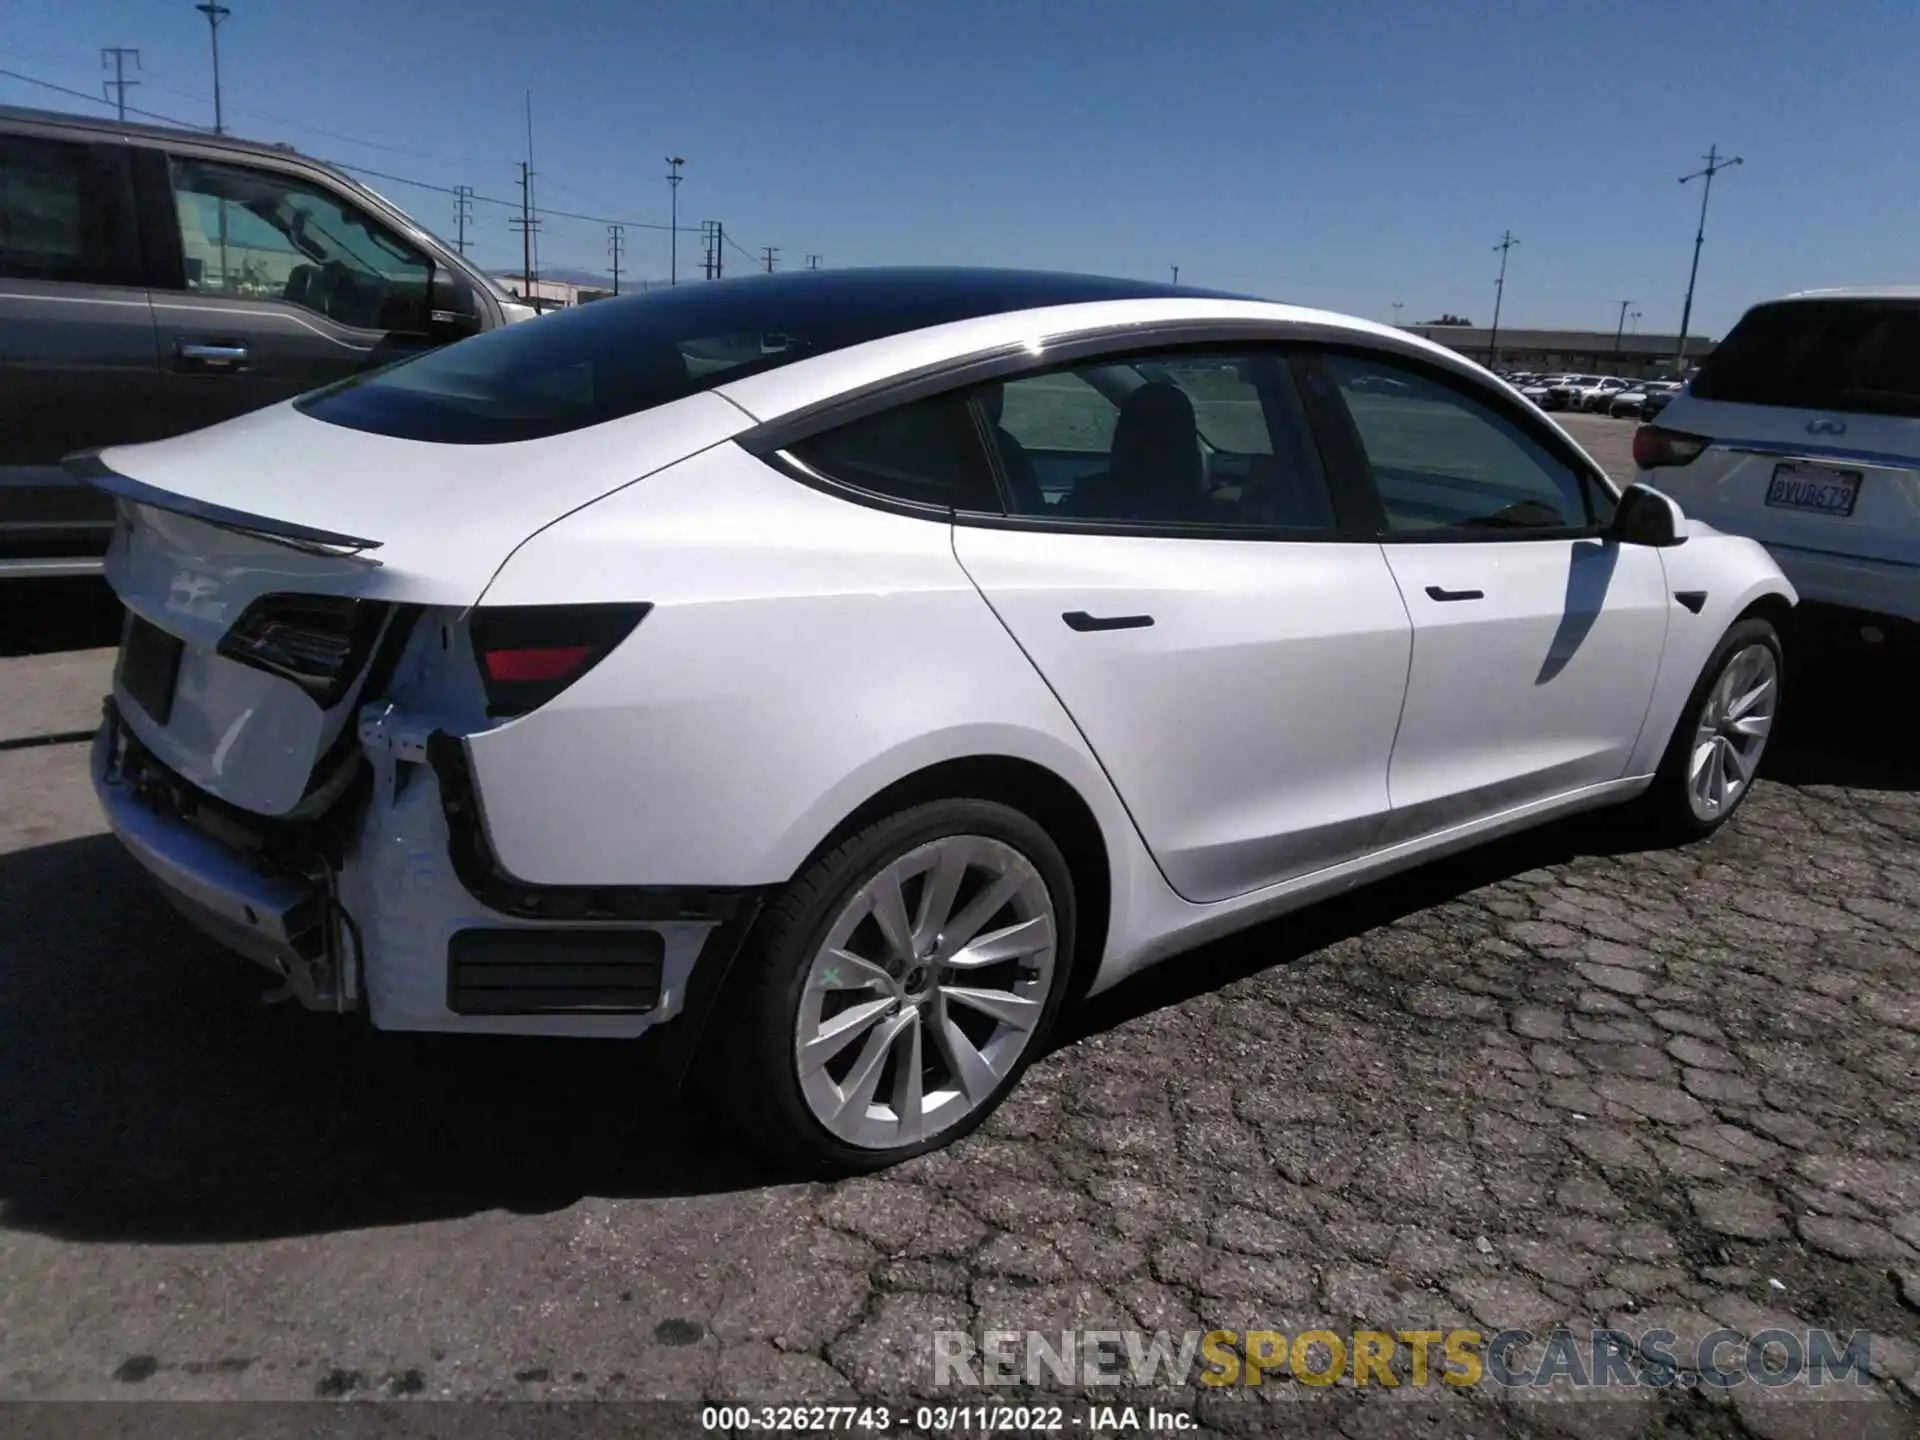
(844, 703)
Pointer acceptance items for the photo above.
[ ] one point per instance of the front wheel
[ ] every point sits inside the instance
(893, 993)
(1716, 749)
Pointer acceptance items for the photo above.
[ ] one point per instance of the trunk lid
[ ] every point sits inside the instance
(270, 564)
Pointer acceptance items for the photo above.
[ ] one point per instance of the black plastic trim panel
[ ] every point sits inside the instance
(488, 882)
(554, 972)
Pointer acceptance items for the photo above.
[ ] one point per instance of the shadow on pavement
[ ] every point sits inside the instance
(43, 616)
(149, 1096)
(1837, 724)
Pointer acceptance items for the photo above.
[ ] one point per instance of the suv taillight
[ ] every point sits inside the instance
(319, 642)
(1655, 446)
(530, 653)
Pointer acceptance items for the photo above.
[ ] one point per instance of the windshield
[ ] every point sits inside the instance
(1860, 355)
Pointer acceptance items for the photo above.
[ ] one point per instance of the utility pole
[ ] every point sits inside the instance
(1507, 242)
(713, 240)
(813, 262)
(116, 88)
(769, 252)
(1176, 273)
(1398, 306)
(674, 162)
(462, 213)
(215, 13)
(1716, 162)
(1635, 317)
(526, 224)
(616, 242)
(1622, 327)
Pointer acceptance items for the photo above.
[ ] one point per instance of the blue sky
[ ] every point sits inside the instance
(1347, 155)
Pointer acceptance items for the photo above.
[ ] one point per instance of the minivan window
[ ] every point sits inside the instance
(1857, 355)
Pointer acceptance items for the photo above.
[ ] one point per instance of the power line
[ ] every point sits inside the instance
(1716, 162)
(462, 213)
(116, 55)
(1507, 242)
(370, 173)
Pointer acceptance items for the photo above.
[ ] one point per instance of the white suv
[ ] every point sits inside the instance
(1802, 430)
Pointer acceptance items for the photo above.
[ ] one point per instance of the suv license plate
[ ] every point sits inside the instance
(1814, 488)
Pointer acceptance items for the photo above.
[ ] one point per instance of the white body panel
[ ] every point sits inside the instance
(1868, 560)
(805, 651)
(1248, 728)
(804, 654)
(1537, 687)
(444, 516)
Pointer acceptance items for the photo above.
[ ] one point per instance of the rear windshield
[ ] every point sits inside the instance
(1857, 355)
(597, 362)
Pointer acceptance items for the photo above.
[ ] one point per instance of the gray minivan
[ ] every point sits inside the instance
(155, 280)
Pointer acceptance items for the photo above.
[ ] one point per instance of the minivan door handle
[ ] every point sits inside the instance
(220, 354)
(1080, 620)
(1436, 592)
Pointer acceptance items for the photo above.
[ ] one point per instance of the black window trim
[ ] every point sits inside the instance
(771, 441)
(1347, 451)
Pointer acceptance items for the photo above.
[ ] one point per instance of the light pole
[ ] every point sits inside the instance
(1507, 242)
(1622, 327)
(1176, 274)
(1716, 162)
(215, 13)
(1635, 317)
(674, 162)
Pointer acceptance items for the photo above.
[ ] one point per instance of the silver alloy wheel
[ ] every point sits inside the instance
(926, 991)
(1732, 731)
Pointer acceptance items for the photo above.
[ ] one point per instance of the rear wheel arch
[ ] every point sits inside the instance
(1044, 797)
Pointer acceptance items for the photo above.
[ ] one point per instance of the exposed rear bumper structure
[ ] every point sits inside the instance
(274, 919)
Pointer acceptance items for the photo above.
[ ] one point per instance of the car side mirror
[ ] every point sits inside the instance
(451, 313)
(1646, 516)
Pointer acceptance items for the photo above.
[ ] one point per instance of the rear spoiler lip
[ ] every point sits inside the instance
(88, 468)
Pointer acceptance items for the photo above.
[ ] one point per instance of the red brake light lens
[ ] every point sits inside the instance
(538, 662)
(1654, 446)
(530, 653)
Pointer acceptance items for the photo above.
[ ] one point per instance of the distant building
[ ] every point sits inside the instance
(556, 294)
(1641, 357)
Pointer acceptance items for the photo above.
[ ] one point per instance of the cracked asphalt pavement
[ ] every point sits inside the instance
(1558, 1081)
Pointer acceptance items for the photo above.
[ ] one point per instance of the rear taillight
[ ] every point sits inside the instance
(1655, 446)
(530, 653)
(319, 642)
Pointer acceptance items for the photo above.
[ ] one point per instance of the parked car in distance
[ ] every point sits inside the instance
(1660, 394)
(1802, 430)
(488, 711)
(155, 280)
(1593, 399)
(1565, 393)
(1625, 404)
(1538, 390)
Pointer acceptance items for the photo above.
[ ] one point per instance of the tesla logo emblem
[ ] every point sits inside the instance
(1826, 427)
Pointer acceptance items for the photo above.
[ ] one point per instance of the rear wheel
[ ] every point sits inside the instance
(893, 994)
(1716, 749)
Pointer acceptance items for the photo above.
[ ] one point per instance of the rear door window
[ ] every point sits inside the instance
(1855, 355)
(66, 213)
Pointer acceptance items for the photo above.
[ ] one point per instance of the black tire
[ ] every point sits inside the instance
(747, 1064)
(1664, 810)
